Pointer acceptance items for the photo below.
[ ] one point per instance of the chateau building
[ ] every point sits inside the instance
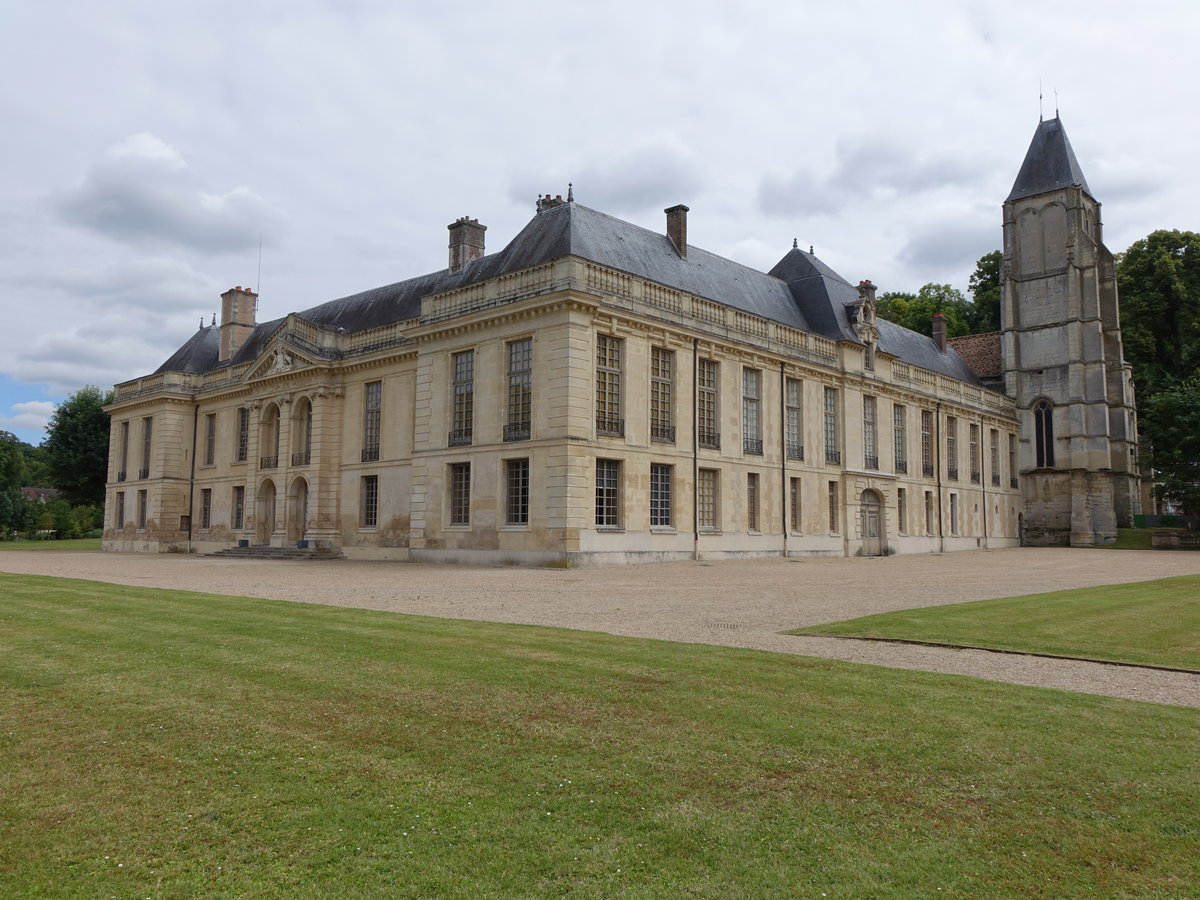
(598, 393)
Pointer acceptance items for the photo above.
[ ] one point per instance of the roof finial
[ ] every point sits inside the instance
(1056, 103)
(810, 250)
(1040, 117)
(570, 192)
(202, 321)
(214, 321)
(795, 244)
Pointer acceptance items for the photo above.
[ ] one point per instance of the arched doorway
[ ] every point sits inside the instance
(297, 510)
(265, 521)
(873, 542)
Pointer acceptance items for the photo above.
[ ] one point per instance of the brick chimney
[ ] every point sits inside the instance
(939, 331)
(677, 228)
(466, 242)
(238, 306)
(866, 291)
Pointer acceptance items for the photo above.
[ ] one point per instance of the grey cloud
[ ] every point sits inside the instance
(143, 191)
(949, 244)
(862, 169)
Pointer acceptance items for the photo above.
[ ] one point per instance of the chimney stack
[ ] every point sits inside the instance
(677, 228)
(238, 306)
(466, 242)
(866, 291)
(939, 331)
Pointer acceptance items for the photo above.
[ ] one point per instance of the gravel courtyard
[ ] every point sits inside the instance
(735, 603)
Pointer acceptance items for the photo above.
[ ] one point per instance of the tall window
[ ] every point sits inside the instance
(833, 453)
(954, 513)
(372, 412)
(995, 456)
(793, 398)
(870, 442)
(123, 453)
(147, 434)
(929, 512)
(752, 501)
(120, 509)
(369, 505)
(973, 434)
(902, 510)
(927, 443)
(205, 507)
(794, 504)
(708, 499)
(302, 427)
(900, 438)
(608, 385)
(833, 506)
(243, 434)
(660, 495)
(210, 438)
(269, 438)
(662, 385)
(141, 509)
(463, 425)
(1012, 461)
(952, 448)
(516, 495)
(751, 411)
(460, 493)
(707, 381)
(238, 519)
(608, 493)
(1043, 423)
(520, 390)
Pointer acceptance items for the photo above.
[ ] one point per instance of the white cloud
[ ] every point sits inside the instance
(31, 414)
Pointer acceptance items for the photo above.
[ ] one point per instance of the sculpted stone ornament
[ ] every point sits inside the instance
(282, 361)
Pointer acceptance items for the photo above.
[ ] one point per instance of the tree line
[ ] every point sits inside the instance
(73, 460)
(1158, 280)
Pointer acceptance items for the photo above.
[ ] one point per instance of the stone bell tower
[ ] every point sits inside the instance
(1063, 362)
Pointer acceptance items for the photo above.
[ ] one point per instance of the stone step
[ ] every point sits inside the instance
(282, 553)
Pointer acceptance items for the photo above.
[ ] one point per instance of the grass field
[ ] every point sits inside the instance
(75, 544)
(165, 744)
(1150, 622)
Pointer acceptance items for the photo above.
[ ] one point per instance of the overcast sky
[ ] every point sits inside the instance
(149, 146)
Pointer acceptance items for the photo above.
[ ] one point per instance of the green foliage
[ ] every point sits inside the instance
(12, 476)
(984, 313)
(1149, 622)
(166, 744)
(77, 446)
(915, 311)
(1159, 282)
(37, 469)
(1171, 421)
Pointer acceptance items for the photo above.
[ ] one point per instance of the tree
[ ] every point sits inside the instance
(77, 446)
(12, 473)
(916, 311)
(1172, 417)
(984, 314)
(1159, 282)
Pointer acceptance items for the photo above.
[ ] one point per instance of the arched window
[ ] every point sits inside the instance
(268, 439)
(302, 422)
(1043, 423)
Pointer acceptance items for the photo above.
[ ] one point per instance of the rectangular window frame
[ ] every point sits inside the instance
(795, 498)
(708, 404)
(205, 509)
(147, 443)
(973, 455)
(120, 511)
(609, 507)
(900, 438)
(793, 390)
(927, 443)
(241, 450)
(610, 351)
(372, 420)
(143, 509)
(752, 411)
(368, 501)
(708, 500)
(238, 508)
(753, 503)
(516, 492)
(662, 395)
(833, 452)
(519, 424)
(833, 492)
(210, 439)
(870, 433)
(662, 477)
(952, 448)
(462, 414)
(459, 478)
(123, 452)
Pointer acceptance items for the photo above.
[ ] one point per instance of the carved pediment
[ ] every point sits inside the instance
(279, 358)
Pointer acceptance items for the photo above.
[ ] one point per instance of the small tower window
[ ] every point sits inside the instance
(1043, 422)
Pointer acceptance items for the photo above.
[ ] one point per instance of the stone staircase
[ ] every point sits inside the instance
(266, 552)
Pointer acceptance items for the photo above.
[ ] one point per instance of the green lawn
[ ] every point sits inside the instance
(73, 544)
(165, 744)
(1151, 622)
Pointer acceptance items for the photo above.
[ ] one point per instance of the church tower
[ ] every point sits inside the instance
(1063, 362)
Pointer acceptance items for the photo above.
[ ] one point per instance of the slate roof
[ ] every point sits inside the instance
(800, 291)
(1049, 164)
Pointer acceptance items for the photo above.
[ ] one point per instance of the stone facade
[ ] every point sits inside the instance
(596, 393)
